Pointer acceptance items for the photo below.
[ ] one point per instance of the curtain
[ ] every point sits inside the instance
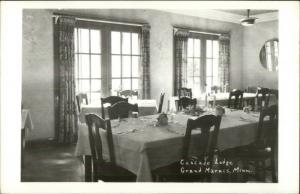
(180, 45)
(67, 113)
(145, 63)
(224, 61)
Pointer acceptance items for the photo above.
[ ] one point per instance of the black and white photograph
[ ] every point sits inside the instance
(157, 94)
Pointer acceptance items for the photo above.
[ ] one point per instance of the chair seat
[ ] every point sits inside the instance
(110, 172)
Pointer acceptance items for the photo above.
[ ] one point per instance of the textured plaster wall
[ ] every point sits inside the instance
(37, 72)
(254, 74)
(38, 63)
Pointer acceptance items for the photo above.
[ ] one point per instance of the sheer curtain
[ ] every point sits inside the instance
(224, 61)
(180, 45)
(67, 113)
(145, 63)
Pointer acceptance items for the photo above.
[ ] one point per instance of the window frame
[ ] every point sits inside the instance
(106, 65)
(203, 57)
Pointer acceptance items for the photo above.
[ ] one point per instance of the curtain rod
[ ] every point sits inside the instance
(197, 31)
(56, 15)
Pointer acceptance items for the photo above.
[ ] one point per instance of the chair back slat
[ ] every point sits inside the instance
(94, 123)
(121, 110)
(262, 96)
(238, 99)
(208, 138)
(128, 93)
(161, 101)
(184, 102)
(267, 131)
(111, 100)
(185, 92)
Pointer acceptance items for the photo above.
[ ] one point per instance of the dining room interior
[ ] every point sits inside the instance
(150, 95)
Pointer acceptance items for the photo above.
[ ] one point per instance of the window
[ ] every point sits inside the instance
(106, 59)
(202, 63)
(124, 59)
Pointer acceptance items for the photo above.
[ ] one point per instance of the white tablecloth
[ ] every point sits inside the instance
(141, 146)
(146, 107)
(26, 122)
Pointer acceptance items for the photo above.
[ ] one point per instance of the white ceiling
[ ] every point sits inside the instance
(243, 12)
(233, 16)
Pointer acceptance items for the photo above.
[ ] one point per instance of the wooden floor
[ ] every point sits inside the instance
(48, 162)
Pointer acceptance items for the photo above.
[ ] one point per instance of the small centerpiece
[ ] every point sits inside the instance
(162, 119)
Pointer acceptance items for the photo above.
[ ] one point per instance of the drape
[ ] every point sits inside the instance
(145, 63)
(224, 61)
(67, 113)
(180, 54)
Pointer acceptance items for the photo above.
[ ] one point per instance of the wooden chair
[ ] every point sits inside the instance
(185, 92)
(128, 93)
(111, 100)
(81, 98)
(238, 99)
(272, 92)
(263, 148)
(262, 97)
(161, 101)
(184, 102)
(104, 170)
(121, 110)
(207, 143)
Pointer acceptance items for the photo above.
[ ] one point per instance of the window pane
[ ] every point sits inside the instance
(95, 96)
(95, 41)
(96, 85)
(135, 84)
(84, 85)
(196, 67)
(196, 88)
(115, 66)
(189, 83)
(84, 66)
(96, 66)
(190, 70)
(115, 85)
(216, 49)
(126, 43)
(208, 84)
(216, 81)
(135, 43)
(75, 40)
(115, 42)
(208, 67)
(126, 85)
(83, 40)
(196, 47)
(190, 50)
(208, 48)
(215, 67)
(126, 67)
(135, 66)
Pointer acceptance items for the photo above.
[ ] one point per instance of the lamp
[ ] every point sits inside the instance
(248, 21)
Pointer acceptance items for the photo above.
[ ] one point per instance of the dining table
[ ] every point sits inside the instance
(146, 107)
(220, 99)
(142, 145)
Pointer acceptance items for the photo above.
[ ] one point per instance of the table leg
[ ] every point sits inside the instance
(88, 168)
